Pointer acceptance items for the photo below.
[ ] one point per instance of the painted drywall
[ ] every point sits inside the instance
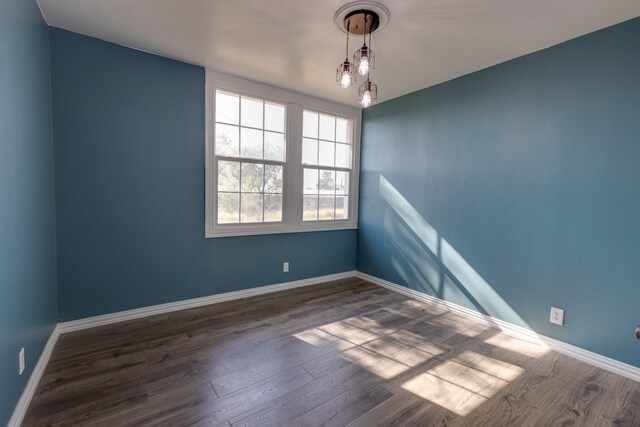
(27, 216)
(516, 188)
(129, 153)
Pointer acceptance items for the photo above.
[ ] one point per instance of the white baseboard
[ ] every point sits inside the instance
(122, 316)
(34, 379)
(578, 353)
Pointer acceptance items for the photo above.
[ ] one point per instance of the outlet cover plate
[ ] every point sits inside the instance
(557, 316)
(285, 267)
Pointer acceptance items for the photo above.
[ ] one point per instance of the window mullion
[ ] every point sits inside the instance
(240, 194)
(211, 166)
(249, 160)
(335, 155)
(294, 171)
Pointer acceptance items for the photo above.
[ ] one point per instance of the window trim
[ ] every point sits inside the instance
(294, 103)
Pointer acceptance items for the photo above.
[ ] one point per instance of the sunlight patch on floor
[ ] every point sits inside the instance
(349, 332)
(316, 337)
(414, 309)
(320, 338)
(458, 387)
(370, 325)
(418, 342)
(375, 363)
(398, 352)
(451, 396)
(452, 324)
(467, 377)
(459, 383)
(489, 365)
(517, 345)
(383, 354)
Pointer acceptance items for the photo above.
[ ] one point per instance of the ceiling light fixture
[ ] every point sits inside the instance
(346, 72)
(360, 18)
(364, 58)
(367, 93)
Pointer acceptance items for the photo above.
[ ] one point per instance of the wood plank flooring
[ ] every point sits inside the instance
(336, 354)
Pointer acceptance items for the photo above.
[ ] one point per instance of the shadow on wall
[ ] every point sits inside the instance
(423, 258)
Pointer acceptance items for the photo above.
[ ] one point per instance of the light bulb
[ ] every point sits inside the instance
(363, 68)
(366, 99)
(345, 81)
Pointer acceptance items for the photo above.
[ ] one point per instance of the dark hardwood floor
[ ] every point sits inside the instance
(341, 353)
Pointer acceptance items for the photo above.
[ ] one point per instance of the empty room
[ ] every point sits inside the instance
(319, 213)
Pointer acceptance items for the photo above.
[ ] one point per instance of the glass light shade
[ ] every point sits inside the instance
(365, 60)
(346, 74)
(368, 93)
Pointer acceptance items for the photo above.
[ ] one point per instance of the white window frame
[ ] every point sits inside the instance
(292, 204)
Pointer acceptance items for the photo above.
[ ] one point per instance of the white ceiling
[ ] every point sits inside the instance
(295, 44)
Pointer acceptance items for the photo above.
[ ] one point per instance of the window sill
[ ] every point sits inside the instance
(253, 230)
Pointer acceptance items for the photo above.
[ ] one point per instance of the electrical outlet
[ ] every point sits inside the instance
(21, 361)
(285, 267)
(557, 316)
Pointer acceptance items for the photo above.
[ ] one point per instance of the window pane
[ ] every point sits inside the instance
(251, 208)
(327, 127)
(251, 143)
(342, 207)
(227, 140)
(343, 130)
(310, 151)
(272, 179)
(311, 181)
(274, 117)
(252, 175)
(251, 114)
(272, 207)
(310, 208)
(326, 207)
(326, 153)
(327, 182)
(252, 128)
(228, 176)
(274, 146)
(343, 159)
(228, 208)
(310, 124)
(227, 107)
(342, 183)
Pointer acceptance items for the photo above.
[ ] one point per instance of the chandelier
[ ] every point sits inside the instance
(360, 19)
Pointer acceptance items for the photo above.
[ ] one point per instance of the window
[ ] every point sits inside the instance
(250, 154)
(326, 144)
(277, 162)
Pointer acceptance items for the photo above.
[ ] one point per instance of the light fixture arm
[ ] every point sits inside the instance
(346, 72)
(347, 49)
(364, 33)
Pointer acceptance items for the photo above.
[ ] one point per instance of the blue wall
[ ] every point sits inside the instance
(516, 188)
(508, 191)
(27, 233)
(129, 152)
